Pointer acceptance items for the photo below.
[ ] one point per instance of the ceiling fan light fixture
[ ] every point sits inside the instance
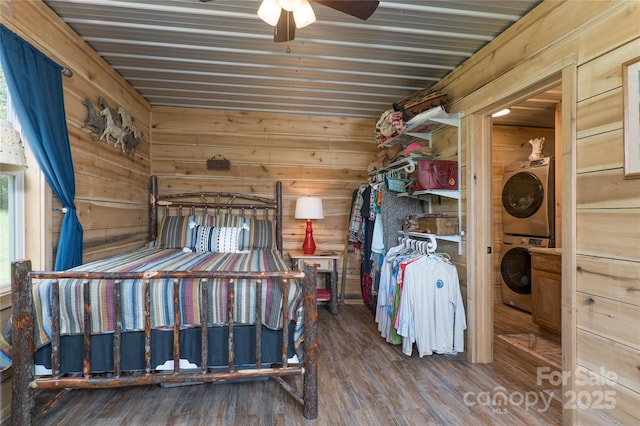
(269, 12)
(290, 5)
(304, 15)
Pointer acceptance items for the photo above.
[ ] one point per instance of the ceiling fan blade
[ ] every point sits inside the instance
(362, 9)
(285, 30)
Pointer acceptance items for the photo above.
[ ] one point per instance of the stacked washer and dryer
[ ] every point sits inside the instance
(528, 221)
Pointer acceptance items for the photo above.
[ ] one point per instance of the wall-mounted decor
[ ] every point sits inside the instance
(218, 162)
(631, 94)
(112, 125)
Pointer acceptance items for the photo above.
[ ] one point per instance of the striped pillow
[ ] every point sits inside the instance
(260, 235)
(220, 239)
(174, 231)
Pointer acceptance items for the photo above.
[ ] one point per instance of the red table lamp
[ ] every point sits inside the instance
(309, 208)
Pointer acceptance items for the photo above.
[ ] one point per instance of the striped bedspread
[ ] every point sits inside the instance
(132, 294)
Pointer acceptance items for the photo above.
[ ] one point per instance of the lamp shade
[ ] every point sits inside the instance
(309, 208)
(304, 15)
(289, 5)
(11, 147)
(269, 12)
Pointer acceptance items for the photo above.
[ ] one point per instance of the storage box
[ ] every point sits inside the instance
(431, 223)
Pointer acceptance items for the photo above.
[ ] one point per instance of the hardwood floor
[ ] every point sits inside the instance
(362, 381)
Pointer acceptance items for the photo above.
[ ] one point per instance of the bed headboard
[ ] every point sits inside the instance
(192, 203)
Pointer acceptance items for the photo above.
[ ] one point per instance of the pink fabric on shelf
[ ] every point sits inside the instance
(411, 147)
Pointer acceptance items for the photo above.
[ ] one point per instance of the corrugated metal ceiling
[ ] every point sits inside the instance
(220, 55)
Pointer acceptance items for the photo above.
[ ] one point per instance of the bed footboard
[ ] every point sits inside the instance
(25, 382)
(22, 397)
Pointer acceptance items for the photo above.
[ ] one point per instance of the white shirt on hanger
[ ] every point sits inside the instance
(431, 312)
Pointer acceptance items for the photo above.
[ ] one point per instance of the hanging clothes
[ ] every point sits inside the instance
(431, 312)
(365, 213)
(366, 282)
(376, 216)
(388, 278)
(355, 218)
(419, 301)
(377, 241)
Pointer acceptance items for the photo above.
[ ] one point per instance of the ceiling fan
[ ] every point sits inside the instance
(286, 15)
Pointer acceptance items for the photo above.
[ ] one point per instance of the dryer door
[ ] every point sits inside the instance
(522, 195)
(516, 270)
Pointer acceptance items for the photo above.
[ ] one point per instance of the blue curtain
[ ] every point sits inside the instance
(35, 85)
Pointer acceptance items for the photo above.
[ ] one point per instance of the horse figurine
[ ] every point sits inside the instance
(112, 130)
(536, 148)
(125, 119)
(114, 114)
(93, 119)
(130, 144)
(137, 133)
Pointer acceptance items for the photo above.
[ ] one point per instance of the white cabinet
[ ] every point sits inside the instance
(422, 126)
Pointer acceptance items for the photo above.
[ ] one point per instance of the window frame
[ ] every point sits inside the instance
(36, 222)
(17, 229)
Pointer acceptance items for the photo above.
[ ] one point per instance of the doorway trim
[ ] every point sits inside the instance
(512, 87)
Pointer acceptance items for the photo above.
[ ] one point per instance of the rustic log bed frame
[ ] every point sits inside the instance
(25, 382)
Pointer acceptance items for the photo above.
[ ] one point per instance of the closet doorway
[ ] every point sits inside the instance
(526, 145)
(513, 87)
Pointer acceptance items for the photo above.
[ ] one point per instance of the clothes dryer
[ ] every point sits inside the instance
(528, 198)
(515, 269)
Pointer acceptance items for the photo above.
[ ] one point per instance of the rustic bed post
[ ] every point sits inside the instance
(310, 385)
(22, 396)
(153, 222)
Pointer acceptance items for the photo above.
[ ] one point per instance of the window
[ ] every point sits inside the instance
(11, 221)
(12, 229)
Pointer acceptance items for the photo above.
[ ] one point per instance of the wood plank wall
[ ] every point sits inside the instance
(599, 38)
(111, 187)
(508, 146)
(608, 243)
(320, 156)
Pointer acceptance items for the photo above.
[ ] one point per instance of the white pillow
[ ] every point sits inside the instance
(227, 239)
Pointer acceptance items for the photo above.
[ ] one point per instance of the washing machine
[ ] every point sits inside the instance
(515, 269)
(528, 198)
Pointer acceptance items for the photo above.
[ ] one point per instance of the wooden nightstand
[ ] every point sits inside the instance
(327, 262)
